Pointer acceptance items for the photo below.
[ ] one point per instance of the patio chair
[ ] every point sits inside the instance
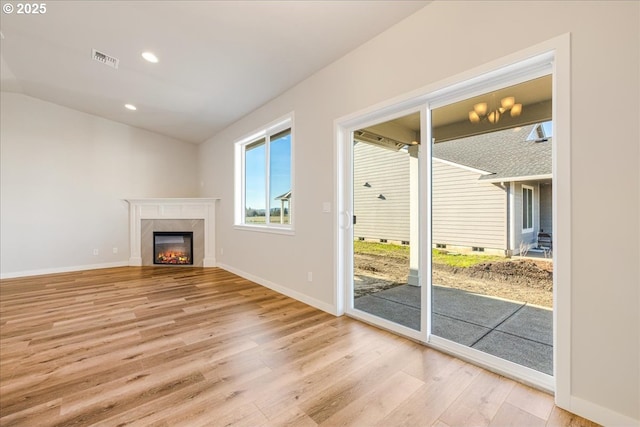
(544, 240)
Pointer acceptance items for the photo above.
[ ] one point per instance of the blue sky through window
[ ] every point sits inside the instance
(255, 172)
(280, 168)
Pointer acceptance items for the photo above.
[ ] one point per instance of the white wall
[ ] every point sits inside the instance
(440, 41)
(63, 180)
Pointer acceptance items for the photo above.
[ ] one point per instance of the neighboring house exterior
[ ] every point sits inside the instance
(381, 193)
(491, 192)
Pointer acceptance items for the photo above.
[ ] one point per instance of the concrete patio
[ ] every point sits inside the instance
(514, 331)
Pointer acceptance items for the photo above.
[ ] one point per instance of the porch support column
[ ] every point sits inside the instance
(281, 211)
(511, 223)
(414, 216)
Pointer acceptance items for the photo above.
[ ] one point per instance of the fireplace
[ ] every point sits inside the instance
(173, 247)
(197, 215)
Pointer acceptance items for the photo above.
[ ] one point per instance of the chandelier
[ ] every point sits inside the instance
(481, 110)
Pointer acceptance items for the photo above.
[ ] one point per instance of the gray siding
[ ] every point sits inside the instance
(546, 208)
(467, 212)
(387, 173)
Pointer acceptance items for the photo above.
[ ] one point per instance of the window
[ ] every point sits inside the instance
(264, 177)
(527, 209)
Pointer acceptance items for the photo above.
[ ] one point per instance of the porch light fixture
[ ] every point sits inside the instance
(481, 110)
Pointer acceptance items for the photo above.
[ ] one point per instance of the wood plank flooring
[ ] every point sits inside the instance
(191, 346)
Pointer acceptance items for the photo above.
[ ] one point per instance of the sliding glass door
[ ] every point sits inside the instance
(385, 231)
(446, 220)
(492, 226)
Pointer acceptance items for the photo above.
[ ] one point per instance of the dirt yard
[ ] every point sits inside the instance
(529, 281)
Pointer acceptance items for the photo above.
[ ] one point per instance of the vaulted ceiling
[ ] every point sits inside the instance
(218, 60)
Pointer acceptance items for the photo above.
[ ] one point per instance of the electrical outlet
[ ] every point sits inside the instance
(309, 277)
(115, 250)
(96, 252)
(221, 251)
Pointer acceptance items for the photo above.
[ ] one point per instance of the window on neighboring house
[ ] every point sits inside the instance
(527, 209)
(264, 178)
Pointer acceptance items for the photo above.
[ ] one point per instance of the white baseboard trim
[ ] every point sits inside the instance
(135, 262)
(209, 262)
(43, 271)
(281, 289)
(599, 414)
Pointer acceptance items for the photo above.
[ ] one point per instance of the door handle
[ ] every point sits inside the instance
(348, 220)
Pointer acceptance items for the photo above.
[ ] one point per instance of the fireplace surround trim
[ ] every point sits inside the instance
(172, 208)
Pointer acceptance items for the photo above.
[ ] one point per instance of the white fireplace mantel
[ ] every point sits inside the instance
(174, 208)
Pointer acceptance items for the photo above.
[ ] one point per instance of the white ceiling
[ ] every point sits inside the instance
(219, 60)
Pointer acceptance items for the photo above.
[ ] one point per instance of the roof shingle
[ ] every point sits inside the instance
(504, 154)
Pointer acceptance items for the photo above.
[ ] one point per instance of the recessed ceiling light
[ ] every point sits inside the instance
(150, 57)
(130, 107)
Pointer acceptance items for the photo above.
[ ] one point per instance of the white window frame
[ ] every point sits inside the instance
(532, 207)
(265, 132)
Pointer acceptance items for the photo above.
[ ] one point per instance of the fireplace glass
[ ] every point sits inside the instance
(173, 247)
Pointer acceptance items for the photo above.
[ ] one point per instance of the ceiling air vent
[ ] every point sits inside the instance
(105, 59)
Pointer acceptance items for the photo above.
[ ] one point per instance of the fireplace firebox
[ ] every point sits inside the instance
(173, 247)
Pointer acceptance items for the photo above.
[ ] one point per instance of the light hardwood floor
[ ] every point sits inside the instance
(192, 346)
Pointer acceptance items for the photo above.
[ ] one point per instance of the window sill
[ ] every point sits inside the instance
(265, 229)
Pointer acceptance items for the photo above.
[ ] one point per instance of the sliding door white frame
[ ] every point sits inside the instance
(345, 206)
(551, 57)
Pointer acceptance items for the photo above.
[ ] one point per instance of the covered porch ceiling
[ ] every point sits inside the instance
(452, 121)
